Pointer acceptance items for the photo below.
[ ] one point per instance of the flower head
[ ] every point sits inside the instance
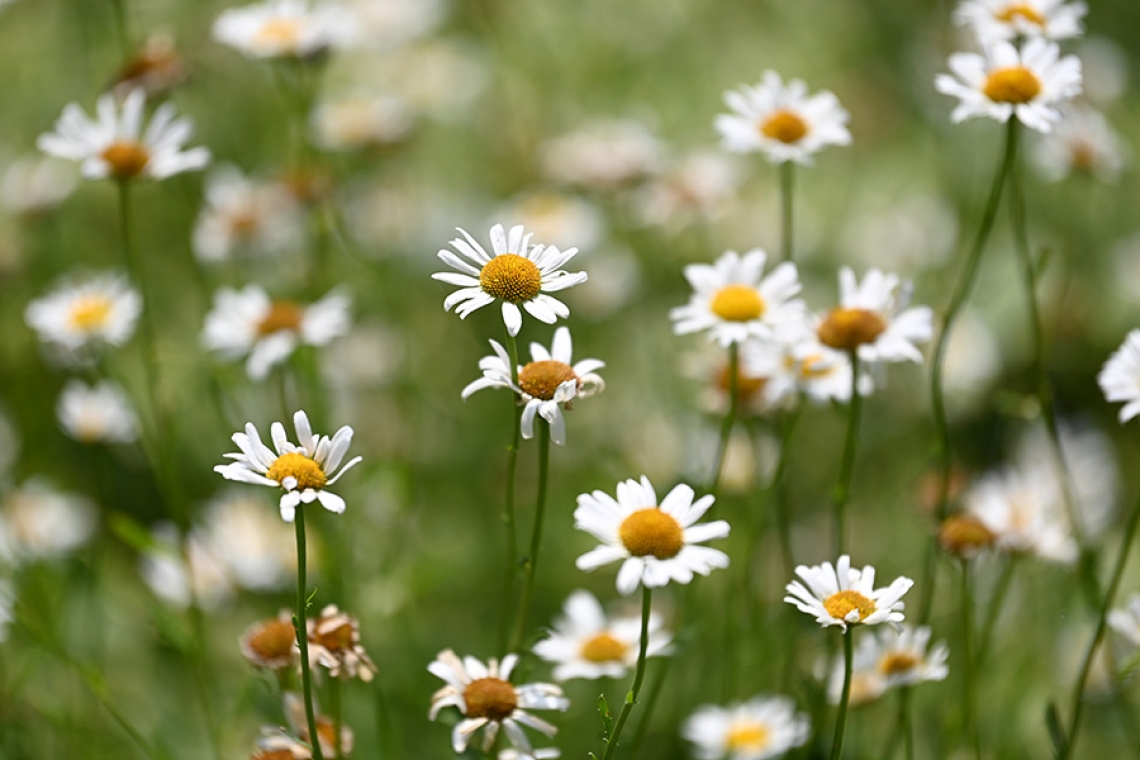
(603, 155)
(797, 362)
(100, 310)
(334, 642)
(993, 20)
(760, 728)
(842, 595)
(891, 658)
(271, 644)
(99, 413)
(38, 521)
(285, 29)
(1120, 376)
(1023, 511)
(873, 320)
(243, 214)
(1082, 143)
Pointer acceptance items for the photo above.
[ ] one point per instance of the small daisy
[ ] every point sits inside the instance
(547, 385)
(1004, 82)
(992, 20)
(285, 29)
(1120, 376)
(1024, 510)
(585, 644)
(248, 323)
(760, 728)
(604, 155)
(1082, 143)
(271, 644)
(873, 319)
(843, 596)
(781, 121)
(98, 413)
(304, 470)
(334, 642)
(101, 310)
(518, 274)
(656, 541)
(1126, 622)
(356, 122)
(485, 696)
(734, 301)
(901, 656)
(243, 214)
(115, 144)
(39, 521)
(257, 549)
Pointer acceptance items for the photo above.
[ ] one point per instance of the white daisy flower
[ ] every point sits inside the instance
(547, 385)
(760, 728)
(257, 550)
(1024, 511)
(782, 121)
(893, 658)
(872, 318)
(241, 213)
(359, 121)
(115, 144)
(992, 20)
(586, 644)
(546, 753)
(101, 310)
(1083, 142)
(285, 28)
(485, 697)
(1126, 621)
(177, 577)
(34, 185)
(655, 541)
(98, 413)
(734, 301)
(606, 154)
(248, 323)
(842, 595)
(798, 363)
(1120, 376)
(304, 469)
(518, 274)
(39, 521)
(1005, 82)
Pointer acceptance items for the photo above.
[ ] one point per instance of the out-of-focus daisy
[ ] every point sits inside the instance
(606, 154)
(1082, 143)
(303, 469)
(1126, 621)
(798, 363)
(518, 274)
(546, 753)
(901, 656)
(734, 301)
(485, 697)
(547, 384)
(1120, 376)
(358, 121)
(386, 23)
(334, 643)
(247, 322)
(867, 683)
(992, 20)
(656, 542)
(176, 576)
(285, 28)
(586, 644)
(782, 121)
(39, 521)
(842, 595)
(156, 68)
(115, 145)
(243, 214)
(256, 548)
(872, 319)
(326, 728)
(34, 185)
(760, 728)
(696, 188)
(1005, 82)
(98, 413)
(271, 644)
(101, 310)
(965, 536)
(561, 218)
(1024, 511)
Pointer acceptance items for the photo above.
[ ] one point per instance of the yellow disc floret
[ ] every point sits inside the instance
(1025, 11)
(652, 533)
(847, 329)
(126, 158)
(898, 663)
(738, 303)
(511, 277)
(90, 313)
(490, 698)
(604, 648)
(541, 379)
(843, 603)
(1014, 85)
(282, 315)
(280, 32)
(784, 126)
(749, 737)
(305, 471)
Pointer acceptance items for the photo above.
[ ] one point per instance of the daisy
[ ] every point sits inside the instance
(98, 413)
(256, 549)
(304, 470)
(797, 363)
(1120, 376)
(781, 121)
(518, 274)
(334, 642)
(901, 656)
(115, 145)
(734, 301)
(271, 644)
(248, 323)
(355, 122)
(1005, 82)
(547, 385)
(656, 541)
(485, 697)
(843, 596)
(1024, 510)
(285, 29)
(101, 310)
(39, 521)
(1126, 622)
(604, 155)
(867, 683)
(586, 644)
(873, 320)
(992, 20)
(1082, 143)
(244, 214)
(760, 728)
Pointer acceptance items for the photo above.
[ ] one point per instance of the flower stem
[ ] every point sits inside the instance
(302, 628)
(969, 680)
(335, 686)
(787, 183)
(509, 508)
(780, 490)
(639, 676)
(993, 610)
(842, 492)
(729, 416)
(121, 28)
(841, 716)
(543, 434)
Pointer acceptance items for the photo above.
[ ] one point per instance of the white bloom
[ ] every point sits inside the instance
(115, 144)
(547, 753)
(101, 310)
(256, 549)
(547, 385)
(303, 469)
(842, 595)
(1120, 376)
(796, 362)
(561, 218)
(890, 658)
(992, 20)
(39, 521)
(760, 728)
(603, 155)
(353, 122)
(586, 644)
(33, 185)
(285, 28)
(173, 574)
(98, 413)
(1082, 143)
(696, 188)
(873, 319)
(248, 323)
(387, 23)
(518, 274)
(1126, 622)
(1004, 82)
(782, 121)
(241, 213)
(656, 542)
(1024, 510)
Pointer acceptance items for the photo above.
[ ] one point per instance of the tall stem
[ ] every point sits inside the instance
(302, 628)
(543, 433)
(780, 491)
(969, 681)
(121, 30)
(847, 465)
(993, 610)
(639, 676)
(512, 552)
(787, 184)
(335, 686)
(841, 716)
(729, 416)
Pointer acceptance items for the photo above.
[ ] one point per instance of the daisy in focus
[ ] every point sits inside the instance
(116, 146)
(656, 542)
(760, 728)
(247, 323)
(243, 214)
(304, 469)
(841, 595)
(547, 385)
(872, 319)
(1082, 143)
(1004, 82)
(1120, 376)
(992, 20)
(285, 29)
(734, 301)
(782, 121)
(98, 413)
(584, 643)
(518, 274)
(485, 697)
(101, 310)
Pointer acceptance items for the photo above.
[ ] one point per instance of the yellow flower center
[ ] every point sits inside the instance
(815, 366)
(841, 604)
(282, 315)
(1013, 11)
(737, 303)
(511, 277)
(274, 640)
(784, 126)
(284, 32)
(898, 663)
(604, 648)
(126, 158)
(1014, 85)
(747, 736)
(747, 386)
(490, 698)
(651, 533)
(964, 535)
(847, 329)
(296, 465)
(540, 379)
(90, 313)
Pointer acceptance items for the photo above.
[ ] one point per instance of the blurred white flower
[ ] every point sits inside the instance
(286, 28)
(888, 658)
(244, 533)
(911, 231)
(7, 597)
(358, 121)
(842, 595)
(796, 362)
(1011, 20)
(100, 310)
(606, 154)
(439, 78)
(560, 218)
(873, 319)
(1120, 376)
(241, 213)
(99, 413)
(39, 521)
(546, 753)
(1126, 621)
(696, 188)
(34, 185)
(763, 727)
(173, 574)
(387, 23)
(1024, 511)
(1083, 142)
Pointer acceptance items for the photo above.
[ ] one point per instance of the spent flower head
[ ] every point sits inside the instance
(334, 643)
(272, 643)
(842, 595)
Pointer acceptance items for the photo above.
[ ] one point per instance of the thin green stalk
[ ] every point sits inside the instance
(543, 433)
(780, 491)
(970, 662)
(512, 552)
(335, 685)
(638, 678)
(787, 183)
(302, 628)
(993, 610)
(121, 30)
(903, 730)
(842, 492)
(844, 700)
(729, 416)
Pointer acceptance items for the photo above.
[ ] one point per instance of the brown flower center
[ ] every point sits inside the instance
(1014, 85)
(847, 329)
(747, 385)
(964, 535)
(511, 277)
(274, 640)
(650, 532)
(339, 639)
(604, 648)
(784, 126)
(1013, 11)
(296, 465)
(841, 604)
(738, 303)
(491, 698)
(282, 315)
(541, 379)
(126, 158)
(898, 663)
(90, 313)
(748, 736)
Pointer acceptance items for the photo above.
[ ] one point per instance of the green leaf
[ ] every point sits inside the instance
(607, 717)
(1056, 732)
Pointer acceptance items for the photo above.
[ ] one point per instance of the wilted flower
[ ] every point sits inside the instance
(334, 642)
(271, 644)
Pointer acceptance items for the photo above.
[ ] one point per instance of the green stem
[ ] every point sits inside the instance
(969, 681)
(509, 508)
(780, 491)
(302, 628)
(903, 730)
(639, 676)
(993, 610)
(729, 416)
(841, 716)
(847, 465)
(335, 685)
(121, 28)
(543, 434)
(787, 183)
